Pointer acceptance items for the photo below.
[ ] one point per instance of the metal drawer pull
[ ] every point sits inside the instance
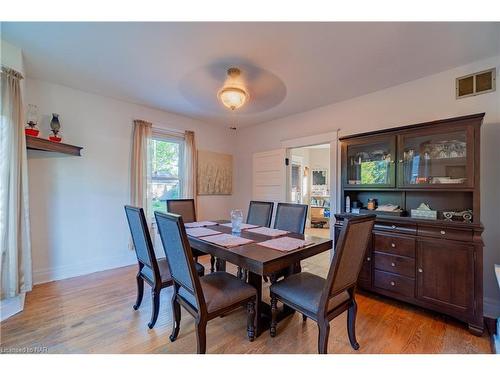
(393, 226)
(393, 244)
(393, 283)
(420, 270)
(393, 264)
(443, 232)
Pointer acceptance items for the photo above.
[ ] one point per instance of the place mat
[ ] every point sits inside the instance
(198, 224)
(285, 243)
(200, 232)
(227, 240)
(243, 226)
(269, 231)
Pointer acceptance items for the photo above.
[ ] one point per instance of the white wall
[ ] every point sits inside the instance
(11, 56)
(426, 99)
(77, 218)
(319, 158)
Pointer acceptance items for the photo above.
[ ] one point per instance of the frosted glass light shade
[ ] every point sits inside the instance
(233, 97)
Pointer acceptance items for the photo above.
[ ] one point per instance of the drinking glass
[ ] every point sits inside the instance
(236, 220)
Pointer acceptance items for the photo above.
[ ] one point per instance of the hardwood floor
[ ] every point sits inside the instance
(318, 232)
(93, 314)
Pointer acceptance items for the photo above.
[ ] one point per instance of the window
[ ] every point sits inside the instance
(167, 170)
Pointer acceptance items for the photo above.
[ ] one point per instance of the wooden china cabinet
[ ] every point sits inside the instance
(435, 263)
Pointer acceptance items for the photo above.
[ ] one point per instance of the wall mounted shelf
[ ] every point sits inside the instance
(35, 143)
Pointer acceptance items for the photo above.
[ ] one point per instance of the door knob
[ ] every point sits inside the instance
(368, 259)
(393, 245)
(420, 270)
(443, 232)
(393, 283)
(393, 264)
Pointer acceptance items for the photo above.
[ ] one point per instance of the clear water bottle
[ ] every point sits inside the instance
(236, 220)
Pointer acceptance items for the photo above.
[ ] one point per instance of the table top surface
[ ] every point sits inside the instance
(256, 258)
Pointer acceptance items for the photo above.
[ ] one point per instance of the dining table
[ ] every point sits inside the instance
(260, 262)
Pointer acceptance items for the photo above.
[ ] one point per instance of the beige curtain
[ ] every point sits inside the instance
(16, 272)
(190, 162)
(141, 167)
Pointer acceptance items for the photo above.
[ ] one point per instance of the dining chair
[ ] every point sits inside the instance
(207, 297)
(183, 207)
(260, 213)
(291, 217)
(324, 299)
(154, 271)
(186, 208)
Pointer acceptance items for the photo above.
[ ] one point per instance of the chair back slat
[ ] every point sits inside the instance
(349, 254)
(141, 238)
(179, 255)
(291, 217)
(260, 213)
(183, 207)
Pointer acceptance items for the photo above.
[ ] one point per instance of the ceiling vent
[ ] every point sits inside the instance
(477, 83)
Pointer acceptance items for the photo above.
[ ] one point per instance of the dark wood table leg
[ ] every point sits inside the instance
(262, 314)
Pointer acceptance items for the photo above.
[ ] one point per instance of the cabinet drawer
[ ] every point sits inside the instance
(446, 233)
(392, 263)
(403, 228)
(396, 245)
(395, 283)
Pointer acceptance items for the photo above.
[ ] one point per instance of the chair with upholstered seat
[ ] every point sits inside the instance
(183, 207)
(291, 217)
(204, 298)
(186, 208)
(260, 213)
(154, 271)
(320, 299)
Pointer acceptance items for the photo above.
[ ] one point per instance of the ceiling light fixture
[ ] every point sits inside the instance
(233, 94)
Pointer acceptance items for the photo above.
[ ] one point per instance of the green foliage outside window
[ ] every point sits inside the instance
(165, 159)
(374, 172)
(165, 162)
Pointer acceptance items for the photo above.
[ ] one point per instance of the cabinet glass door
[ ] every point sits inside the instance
(370, 163)
(435, 160)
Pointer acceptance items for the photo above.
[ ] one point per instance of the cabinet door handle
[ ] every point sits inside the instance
(393, 283)
(393, 244)
(368, 259)
(393, 226)
(443, 232)
(393, 264)
(420, 270)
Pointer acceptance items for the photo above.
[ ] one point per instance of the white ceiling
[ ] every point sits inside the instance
(290, 67)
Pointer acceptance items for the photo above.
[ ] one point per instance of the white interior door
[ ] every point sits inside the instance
(269, 177)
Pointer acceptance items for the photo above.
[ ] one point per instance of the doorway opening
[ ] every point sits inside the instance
(309, 183)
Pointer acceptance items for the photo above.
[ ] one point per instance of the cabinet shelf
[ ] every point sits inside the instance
(40, 144)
